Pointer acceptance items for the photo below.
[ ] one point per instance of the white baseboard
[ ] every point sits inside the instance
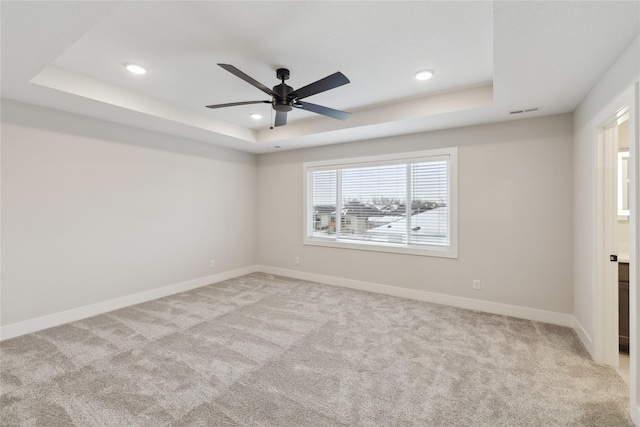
(584, 337)
(55, 319)
(552, 317)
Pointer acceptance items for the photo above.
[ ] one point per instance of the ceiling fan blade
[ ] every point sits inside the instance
(329, 82)
(325, 111)
(232, 104)
(281, 118)
(233, 70)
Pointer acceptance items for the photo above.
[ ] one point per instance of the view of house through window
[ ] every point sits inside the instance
(386, 202)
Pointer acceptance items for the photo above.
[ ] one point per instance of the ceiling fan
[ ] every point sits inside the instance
(284, 98)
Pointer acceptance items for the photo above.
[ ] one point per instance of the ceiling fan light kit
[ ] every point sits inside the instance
(284, 98)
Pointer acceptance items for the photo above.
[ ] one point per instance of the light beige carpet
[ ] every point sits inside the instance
(269, 351)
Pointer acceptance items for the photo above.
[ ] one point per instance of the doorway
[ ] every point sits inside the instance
(620, 120)
(613, 237)
(616, 138)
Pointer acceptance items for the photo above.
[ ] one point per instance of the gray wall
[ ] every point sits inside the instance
(93, 211)
(515, 215)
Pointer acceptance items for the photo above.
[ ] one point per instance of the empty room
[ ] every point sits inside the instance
(319, 213)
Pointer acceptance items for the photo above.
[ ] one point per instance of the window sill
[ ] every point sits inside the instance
(430, 251)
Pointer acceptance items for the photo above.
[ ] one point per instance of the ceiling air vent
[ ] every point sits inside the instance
(525, 110)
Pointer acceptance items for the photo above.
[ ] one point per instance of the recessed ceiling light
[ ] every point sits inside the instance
(135, 68)
(424, 74)
(255, 116)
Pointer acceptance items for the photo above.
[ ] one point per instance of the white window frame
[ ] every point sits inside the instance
(450, 251)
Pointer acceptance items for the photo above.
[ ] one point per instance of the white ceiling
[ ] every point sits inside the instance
(489, 58)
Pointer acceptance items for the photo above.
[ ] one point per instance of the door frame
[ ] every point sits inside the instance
(606, 296)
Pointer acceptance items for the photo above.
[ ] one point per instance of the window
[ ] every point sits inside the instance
(397, 203)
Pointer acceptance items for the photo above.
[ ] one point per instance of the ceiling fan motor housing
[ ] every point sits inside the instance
(282, 105)
(280, 102)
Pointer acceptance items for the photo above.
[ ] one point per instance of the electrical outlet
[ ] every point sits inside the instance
(212, 263)
(296, 260)
(476, 284)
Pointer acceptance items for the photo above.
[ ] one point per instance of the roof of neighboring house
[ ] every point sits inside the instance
(431, 223)
(324, 209)
(360, 209)
(385, 219)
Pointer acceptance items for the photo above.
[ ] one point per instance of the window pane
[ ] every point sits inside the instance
(429, 201)
(372, 198)
(323, 203)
